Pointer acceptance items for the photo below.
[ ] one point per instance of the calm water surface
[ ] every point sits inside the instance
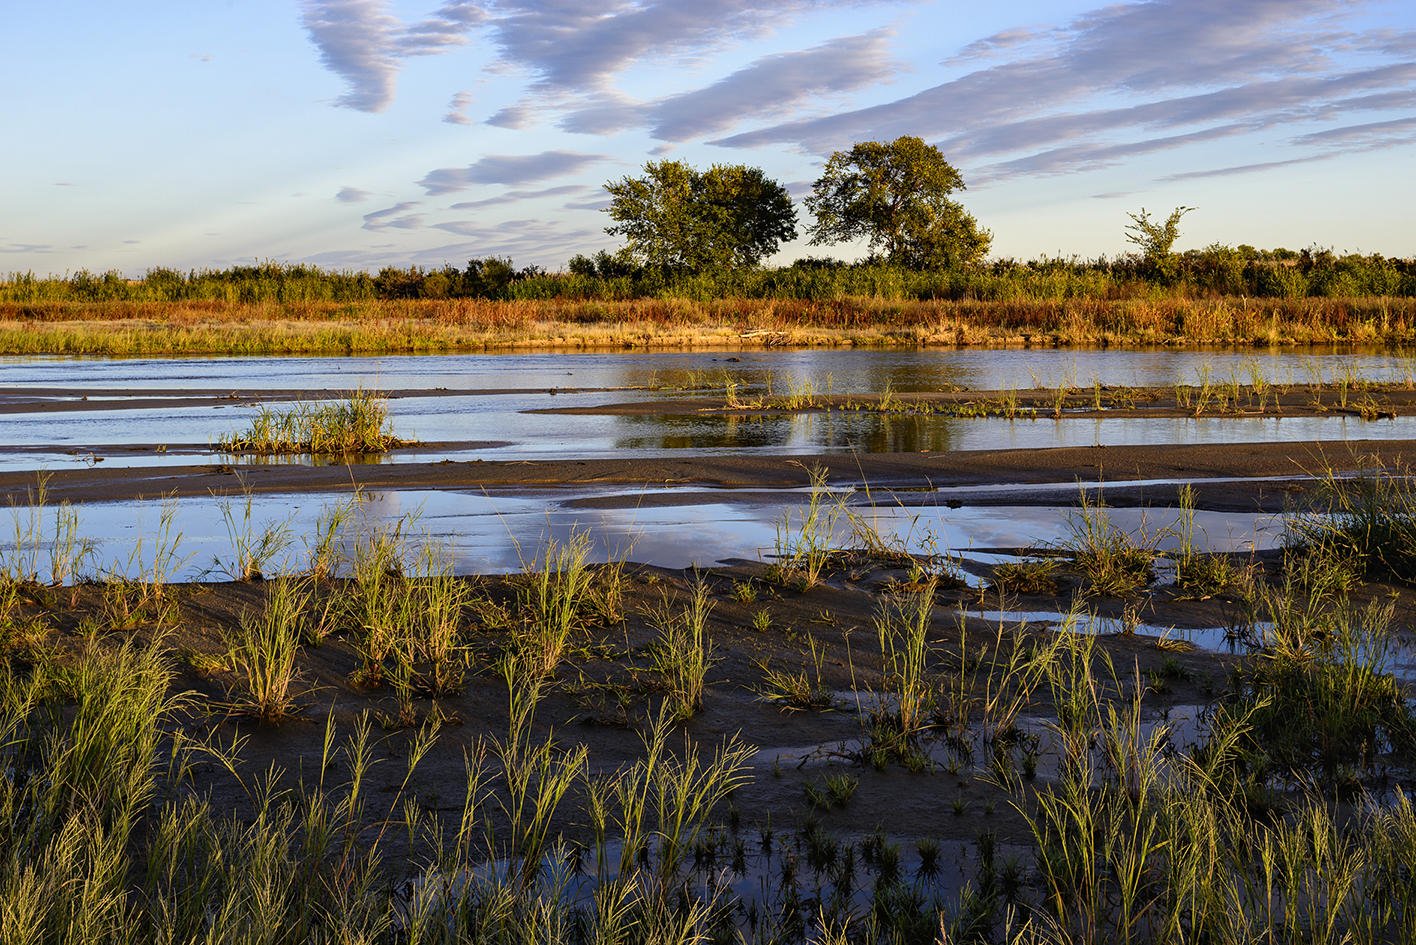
(487, 396)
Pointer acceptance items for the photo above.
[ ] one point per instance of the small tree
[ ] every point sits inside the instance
(488, 278)
(897, 196)
(1156, 240)
(678, 218)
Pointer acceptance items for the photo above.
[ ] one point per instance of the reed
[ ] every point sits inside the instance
(794, 691)
(1366, 522)
(413, 325)
(683, 651)
(358, 424)
(1199, 574)
(903, 708)
(804, 542)
(252, 550)
(264, 651)
(1113, 563)
(553, 598)
(61, 545)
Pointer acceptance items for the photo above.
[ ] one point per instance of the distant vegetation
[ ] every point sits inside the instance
(700, 236)
(1214, 272)
(690, 274)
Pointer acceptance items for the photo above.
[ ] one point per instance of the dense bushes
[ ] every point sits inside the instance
(1211, 272)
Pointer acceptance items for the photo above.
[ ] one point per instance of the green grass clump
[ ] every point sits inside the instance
(796, 690)
(263, 652)
(357, 424)
(683, 652)
(1025, 576)
(1366, 523)
(904, 707)
(1323, 703)
(554, 599)
(804, 548)
(1113, 563)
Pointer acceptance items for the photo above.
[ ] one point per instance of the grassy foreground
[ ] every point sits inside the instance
(1289, 822)
(418, 325)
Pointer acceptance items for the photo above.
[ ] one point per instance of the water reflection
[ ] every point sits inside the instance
(840, 370)
(498, 532)
(833, 432)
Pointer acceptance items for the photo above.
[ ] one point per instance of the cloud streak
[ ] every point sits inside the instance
(364, 44)
(772, 85)
(395, 217)
(515, 196)
(580, 46)
(1227, 69)
(510, 169)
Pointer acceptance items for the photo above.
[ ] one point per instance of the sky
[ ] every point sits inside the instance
(362, 133)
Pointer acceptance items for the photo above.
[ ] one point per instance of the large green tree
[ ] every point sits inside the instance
(897, 196)
(679, 218)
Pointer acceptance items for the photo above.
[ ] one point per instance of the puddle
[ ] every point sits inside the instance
(496, 533)
(1184, 727)
(764, 876)
(1212, 639)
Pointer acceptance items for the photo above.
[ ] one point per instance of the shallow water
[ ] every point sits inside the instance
(498, 533)
(1213, 639)
(842, 370)
(191, 432)
(484, 397)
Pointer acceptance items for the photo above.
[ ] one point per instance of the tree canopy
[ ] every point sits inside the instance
(897, 195)
(679, 218)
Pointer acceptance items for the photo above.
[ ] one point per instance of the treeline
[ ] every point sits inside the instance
(1215, 271)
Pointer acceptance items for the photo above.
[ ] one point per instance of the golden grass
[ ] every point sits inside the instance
(148, 328)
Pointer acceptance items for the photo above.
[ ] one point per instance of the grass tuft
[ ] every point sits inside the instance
(264, 650)
(358, 424)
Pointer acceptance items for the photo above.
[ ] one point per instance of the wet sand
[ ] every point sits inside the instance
(607, 692)
(1264, 472)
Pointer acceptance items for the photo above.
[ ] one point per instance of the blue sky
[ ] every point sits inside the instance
(359, 133)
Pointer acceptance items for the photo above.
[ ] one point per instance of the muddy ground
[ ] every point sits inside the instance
(605, 692)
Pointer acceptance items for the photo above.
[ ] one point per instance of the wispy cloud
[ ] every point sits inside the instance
(510, 169)
(1376, 134)
(516, 196)
(1193, 70)
(395, 217)
(1369, 136)
(457, 109)
(351, 195)
(1246, 168)
(514, 117)
(364, 44)
(513, 232)
(772, 85)
(578, 47)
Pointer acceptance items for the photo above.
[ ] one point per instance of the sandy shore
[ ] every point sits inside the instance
(1262, 473)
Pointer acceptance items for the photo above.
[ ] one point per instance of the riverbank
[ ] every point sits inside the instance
(426, 326)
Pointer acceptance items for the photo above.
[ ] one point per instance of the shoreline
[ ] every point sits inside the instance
(1257, 476)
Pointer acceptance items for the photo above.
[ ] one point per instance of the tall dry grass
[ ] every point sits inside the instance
(416, 325)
